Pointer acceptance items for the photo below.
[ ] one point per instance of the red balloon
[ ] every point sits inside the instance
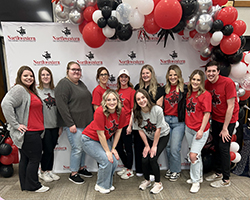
(192, 33)
(92, 35)
(156, 2)
(227, 15)
(150, 25)
(203, 58)
(245, 96)
(15, 154)
(7, 160)
(230, 44)
(81, 26)
(168, 13)
(8, 140)
(239, 27)
(88, 12)
(232, 155)
(181, 32)
(233, 138)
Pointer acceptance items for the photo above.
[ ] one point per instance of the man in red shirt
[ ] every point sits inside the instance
(224, 116)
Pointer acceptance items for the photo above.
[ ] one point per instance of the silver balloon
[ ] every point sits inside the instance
(204, 5)
(241, 92)
(206, 52)
(68, 3)
(191, 23)
(90, 2)
(75, 17)
(81, 5)
(214, 11)
(62, 15)
(123, 11)
(237, 85)
(204, 23)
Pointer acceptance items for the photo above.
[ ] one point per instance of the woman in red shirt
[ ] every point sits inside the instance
(198, 108)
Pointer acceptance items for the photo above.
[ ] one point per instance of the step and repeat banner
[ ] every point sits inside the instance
(55, 44)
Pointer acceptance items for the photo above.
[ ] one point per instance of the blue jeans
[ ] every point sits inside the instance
(195, 146)
(106, 169)
(77, 156)
(174, 143)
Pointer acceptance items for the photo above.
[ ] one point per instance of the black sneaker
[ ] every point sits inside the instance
(85, 173)
(76, 179)
(174, 176)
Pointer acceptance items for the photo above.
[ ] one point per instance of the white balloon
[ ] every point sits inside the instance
(136, 19)
(234, 147)
(238, 70)
(234, 132)
(237, 158)
(214, 43)
(132, 3)
(145, 7)
(108, 32)
(113, 13)
(247, 58)
(96, 15)
(237, 124)
(217, 36)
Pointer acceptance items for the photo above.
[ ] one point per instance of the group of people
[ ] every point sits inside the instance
(106, 124)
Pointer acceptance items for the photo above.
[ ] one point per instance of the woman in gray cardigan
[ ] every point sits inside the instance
(22, 109)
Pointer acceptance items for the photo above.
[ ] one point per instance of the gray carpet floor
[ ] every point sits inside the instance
(125, 189)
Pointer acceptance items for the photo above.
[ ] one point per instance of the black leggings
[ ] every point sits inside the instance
(149, 163)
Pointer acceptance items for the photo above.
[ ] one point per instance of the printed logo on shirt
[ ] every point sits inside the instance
(173, 99)
(191, 106)
(215, 98)
(49, 101)
(150, 127)
(121, 99)
(112, 129)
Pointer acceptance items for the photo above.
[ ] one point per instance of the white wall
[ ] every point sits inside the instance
(243, 14)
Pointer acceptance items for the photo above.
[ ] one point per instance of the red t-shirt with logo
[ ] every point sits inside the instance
(127, 99)
(222, 90)
(109, 125)
(195, 108)
(97, 95)
(35, 119)
(171, 102)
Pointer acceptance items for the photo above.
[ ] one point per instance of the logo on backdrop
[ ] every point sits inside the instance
(131, 61)
(89, 61)
(47, 56)
(67, 36)
(112, 84)
(173, 59)
(22, 37)
(146, 37)
(58, 148)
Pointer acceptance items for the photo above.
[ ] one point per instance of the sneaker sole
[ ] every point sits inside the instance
(156, 192)
(127, 177)
(96, 189)
(221, 186)
(78, 183)
(173, 180)
(145, 188)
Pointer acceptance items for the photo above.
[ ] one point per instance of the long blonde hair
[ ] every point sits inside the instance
(202, 85)
(51, 84)
(104, 104)
(180, 84)
(153, 82)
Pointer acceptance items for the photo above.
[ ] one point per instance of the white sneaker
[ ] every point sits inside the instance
(120, 173)
(126, 175)
(42, 189)
(101, 189)
(112, 188)
(139, 174)
(54, 176)
(214, 177)
(220, 183)
(189, 181)
(144, 185)
(195, 187)
(45, 176)
(152, 177)
(156, 188)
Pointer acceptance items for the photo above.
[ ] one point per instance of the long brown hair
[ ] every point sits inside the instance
(32, 87)
(180, 84)
(137, 109)
(51, 84)
(119, 84)
(202, 85)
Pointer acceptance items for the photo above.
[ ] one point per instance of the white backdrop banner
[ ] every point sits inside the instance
(55, 44)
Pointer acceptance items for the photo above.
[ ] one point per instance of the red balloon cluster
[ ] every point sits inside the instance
(12, 155)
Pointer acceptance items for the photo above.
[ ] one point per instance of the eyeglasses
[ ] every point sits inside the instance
(76, 70)
(103, 75)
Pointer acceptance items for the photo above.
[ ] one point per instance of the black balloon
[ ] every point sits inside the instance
(217, 25)
(106, 12)
(189, 8)
(102, 3)
(115, 4)
(5, 149)
(112, 22)
(236, 57)
(243, 41)
(207, 160)
(227, 30)
(124, 31)
(225, 68)
(217, 54)
(179, 27)
(6, 170)
(102, 22)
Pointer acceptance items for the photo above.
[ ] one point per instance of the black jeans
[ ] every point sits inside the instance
(49, 142)
(31, 154)
(138, 148)
(222, 150)
(151, 163)
(124, 148)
